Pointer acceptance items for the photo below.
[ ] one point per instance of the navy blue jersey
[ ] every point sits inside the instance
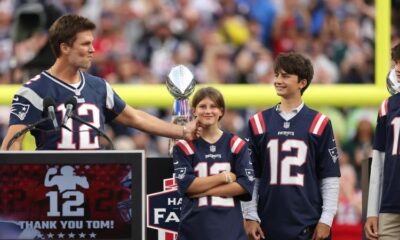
(97, 104)
(212, 217)
(387, 140)
(291, 158)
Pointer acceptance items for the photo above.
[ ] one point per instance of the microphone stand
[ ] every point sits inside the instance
(28, 128)
(97, 130)
(24, 130)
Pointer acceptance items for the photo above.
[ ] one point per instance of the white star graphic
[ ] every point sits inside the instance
(50, 235)
(92, 235)
(40, 236)
(82, 235)
(60, 235)
(71, 235)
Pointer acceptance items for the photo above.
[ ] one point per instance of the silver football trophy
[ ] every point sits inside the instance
(180, 84)
(392, 83)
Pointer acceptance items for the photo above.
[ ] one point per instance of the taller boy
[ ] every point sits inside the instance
(295, 162)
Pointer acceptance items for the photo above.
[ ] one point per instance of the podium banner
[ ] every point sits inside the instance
(163, 200)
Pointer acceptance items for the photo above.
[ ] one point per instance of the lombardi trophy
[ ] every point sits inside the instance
(180, 84)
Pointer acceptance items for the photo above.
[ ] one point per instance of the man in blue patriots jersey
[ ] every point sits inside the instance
(214, 173)
(295, 162)
(384, 187)
(71, 39)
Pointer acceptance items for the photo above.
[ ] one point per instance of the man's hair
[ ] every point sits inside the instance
(211, 93)
(396, 53)
(296, 64)
(65, 29)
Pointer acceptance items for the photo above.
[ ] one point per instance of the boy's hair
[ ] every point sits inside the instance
(396, 53)
(65, 29)
(296, 64)
(213, 94)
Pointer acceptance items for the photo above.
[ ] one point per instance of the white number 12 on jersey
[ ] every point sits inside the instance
(67, 137)
(285, 165)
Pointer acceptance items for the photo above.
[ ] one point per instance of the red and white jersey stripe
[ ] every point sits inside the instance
(236, 144)
(318, 124)
(383, 108)
(186, 146)
(257, 124)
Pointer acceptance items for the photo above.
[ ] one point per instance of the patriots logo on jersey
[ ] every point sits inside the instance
(180, 173)
(334, 154)
(250, 174)
(20, 110)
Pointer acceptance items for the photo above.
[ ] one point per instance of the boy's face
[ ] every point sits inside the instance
(288, 85)
(397, 69)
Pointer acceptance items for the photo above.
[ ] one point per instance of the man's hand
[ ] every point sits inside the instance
(321, 231)
(371, 228)
(253, 230)
(192, 130)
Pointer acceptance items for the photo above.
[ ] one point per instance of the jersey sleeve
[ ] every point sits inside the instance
(26, 108)
(380, 130)
(114, 104)
(327, 156)
(184, 173)
(256, 129)
(243, 169)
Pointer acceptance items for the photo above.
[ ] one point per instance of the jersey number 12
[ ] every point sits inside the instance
(284, 165)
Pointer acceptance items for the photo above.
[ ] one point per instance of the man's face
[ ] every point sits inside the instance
(288, 85)
(80, 54)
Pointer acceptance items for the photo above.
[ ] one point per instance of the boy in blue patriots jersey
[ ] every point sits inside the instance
(295, 162)
(214, 173)
(384, 187)
(71, 39)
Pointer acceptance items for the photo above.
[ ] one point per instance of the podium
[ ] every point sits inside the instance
(72, 195)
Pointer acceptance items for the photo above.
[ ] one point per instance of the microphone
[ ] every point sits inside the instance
(49, 104)
(97, 130)
(70, 105)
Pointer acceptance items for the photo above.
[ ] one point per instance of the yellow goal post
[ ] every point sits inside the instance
(257, 95)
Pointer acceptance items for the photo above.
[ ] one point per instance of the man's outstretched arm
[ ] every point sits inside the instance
(148, 123)
(12, 130)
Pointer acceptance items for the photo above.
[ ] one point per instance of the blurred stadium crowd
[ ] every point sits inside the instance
(221, 41)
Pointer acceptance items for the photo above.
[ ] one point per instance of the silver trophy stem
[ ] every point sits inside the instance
(181, 85)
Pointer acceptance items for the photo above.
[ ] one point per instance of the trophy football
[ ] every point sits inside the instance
(392, 83)
(180, 84)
